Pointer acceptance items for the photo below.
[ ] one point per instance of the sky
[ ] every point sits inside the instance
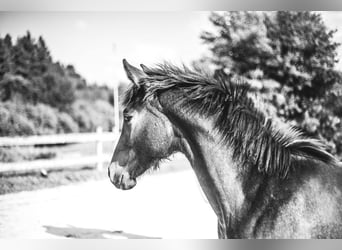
(96, 42)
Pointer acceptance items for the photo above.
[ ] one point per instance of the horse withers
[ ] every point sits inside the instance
(262, 181)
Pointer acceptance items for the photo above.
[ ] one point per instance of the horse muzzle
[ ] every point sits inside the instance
(120, 177)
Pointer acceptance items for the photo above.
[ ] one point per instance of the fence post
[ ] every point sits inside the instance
(116, 108)
(99, 148)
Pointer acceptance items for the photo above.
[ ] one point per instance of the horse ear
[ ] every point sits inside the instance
(145, 69)
(134, 74)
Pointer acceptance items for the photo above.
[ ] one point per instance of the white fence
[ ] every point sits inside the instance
(28, 166)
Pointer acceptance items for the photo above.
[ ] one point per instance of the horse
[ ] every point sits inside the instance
(262, 180)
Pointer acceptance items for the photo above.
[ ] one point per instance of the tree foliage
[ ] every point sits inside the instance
(27, 73)
(287, 56)
(29, 77)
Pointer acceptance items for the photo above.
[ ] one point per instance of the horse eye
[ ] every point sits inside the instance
(127, 118)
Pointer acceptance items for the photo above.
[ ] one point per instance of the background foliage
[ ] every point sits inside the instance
(288, 57)
(41, 96)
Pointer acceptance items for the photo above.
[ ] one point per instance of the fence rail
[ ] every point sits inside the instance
(28, 166)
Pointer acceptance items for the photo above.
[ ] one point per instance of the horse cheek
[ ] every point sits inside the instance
(145, 143)
(158, 140)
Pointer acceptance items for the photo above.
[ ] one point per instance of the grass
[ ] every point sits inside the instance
(34, 181)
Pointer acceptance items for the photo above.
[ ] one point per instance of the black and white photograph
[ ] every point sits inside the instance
(171, 125)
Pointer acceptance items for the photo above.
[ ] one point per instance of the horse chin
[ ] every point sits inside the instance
(120, 177)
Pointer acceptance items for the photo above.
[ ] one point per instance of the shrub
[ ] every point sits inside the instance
(17, 119)
(106, 112)
(90, 115)
(66, 124)
(13, 121)
(44, 118)
(82, 113)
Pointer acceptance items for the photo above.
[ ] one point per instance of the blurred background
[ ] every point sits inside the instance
(61, 79)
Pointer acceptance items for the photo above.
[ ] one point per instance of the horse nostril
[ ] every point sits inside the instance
(121, 163)
(121, 178)
(113, 170)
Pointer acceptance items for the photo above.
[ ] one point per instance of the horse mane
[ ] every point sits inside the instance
(254, 137)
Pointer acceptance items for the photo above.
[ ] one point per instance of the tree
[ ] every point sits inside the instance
(14, 87)
(291, 53)
(41, 58)
(5, 55)
(29, 77)
(54, 88)
(22, 54)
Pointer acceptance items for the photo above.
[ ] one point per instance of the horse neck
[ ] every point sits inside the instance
(213, 165)
(223, 180)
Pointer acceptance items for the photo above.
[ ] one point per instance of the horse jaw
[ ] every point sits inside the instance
(120, 177)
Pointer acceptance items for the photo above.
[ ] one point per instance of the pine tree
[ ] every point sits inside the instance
(43, 58)
(22, 55)
(5, 55)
